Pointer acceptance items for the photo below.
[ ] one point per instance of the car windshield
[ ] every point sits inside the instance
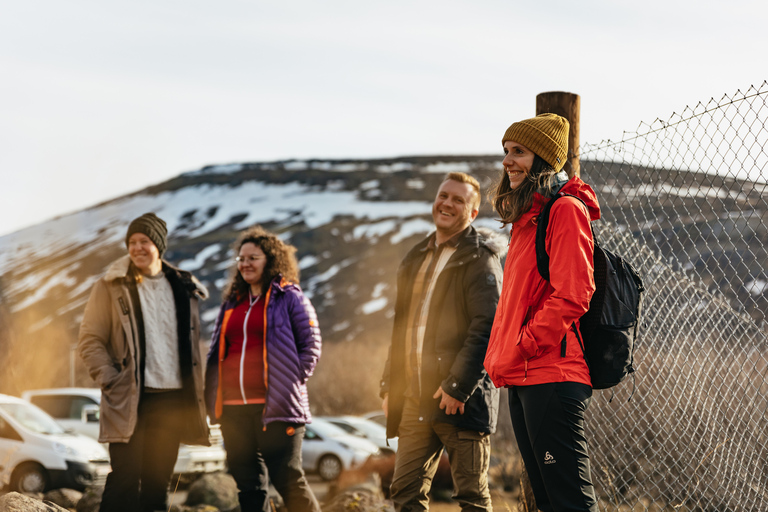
(32, 418)
(369, 428)
(325, 429)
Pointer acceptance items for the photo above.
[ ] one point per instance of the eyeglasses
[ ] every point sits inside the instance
(249, 259)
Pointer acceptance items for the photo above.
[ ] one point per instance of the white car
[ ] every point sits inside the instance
(328, 450)
(78, 409)
(376, 417)
(367, 429)
(37, 454)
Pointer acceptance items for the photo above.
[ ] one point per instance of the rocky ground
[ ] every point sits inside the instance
(217, 492)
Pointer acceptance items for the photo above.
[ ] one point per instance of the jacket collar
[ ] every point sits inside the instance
(471, 239)
(119, 270)
(451, 242)
(280, 284)
(576, 187)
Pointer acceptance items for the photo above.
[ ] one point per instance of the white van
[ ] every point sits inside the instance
(37, 454)
(78, 409)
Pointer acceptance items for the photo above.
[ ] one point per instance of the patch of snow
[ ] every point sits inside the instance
(396, 167)
(39, 325)
(374, 230)
(700, 191)
(378, 290)
(312, 283)
(307, 261)
(756, 287)
(374, 305)
(42, 288)
(341, 326)
(412, 227)
(226, 263)
(492, 224)
(320, 278)
(415, 184)
(222, 169)
(72, 305)
(295, 165)
(446, 167)
(209, 315)
(200, 258)
(370, 184)
(83, 287)
(349, 167)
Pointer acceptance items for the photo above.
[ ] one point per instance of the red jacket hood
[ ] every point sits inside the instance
(578, 188)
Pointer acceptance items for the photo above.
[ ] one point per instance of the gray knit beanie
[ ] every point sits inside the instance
(154, 227)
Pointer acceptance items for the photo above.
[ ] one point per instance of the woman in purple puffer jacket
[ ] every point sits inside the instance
(265, 345)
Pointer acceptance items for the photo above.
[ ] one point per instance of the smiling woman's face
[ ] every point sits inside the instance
(250, 263)
(143, 253)
(517, 162)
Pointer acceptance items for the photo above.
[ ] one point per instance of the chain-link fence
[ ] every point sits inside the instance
(686, 201)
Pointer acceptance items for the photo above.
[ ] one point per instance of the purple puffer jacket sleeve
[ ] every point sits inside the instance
(293, 349)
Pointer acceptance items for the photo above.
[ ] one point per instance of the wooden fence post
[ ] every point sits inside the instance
(568, 105)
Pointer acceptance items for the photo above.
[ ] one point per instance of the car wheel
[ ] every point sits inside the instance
(329, 468)
(29, 478)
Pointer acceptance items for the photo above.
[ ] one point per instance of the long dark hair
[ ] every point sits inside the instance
(281, 260)
(512, 204)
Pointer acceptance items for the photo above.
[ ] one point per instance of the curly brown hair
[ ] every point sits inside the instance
(512, 204)
(281, 260)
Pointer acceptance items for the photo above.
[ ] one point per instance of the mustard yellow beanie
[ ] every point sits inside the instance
(546, 135)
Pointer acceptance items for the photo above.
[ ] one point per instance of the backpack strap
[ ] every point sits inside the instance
(542, 258)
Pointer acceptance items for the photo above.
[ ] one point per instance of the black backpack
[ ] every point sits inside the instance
(609, 327)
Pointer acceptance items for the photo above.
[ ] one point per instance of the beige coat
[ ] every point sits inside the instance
(110, 347)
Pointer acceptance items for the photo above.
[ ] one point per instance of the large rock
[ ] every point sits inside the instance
(216, 489)
(15, 502)
(65, 498)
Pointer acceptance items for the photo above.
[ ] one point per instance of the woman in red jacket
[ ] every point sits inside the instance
(533, 349)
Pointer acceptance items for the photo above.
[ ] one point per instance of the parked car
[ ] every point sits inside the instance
(78, 409)
(328, 450)
(376, 417)
(367, 429)
(37, 454)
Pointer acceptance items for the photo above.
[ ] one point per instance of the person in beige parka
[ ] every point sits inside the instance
(139, 339)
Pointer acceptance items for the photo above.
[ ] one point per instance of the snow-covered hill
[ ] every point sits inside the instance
(352, 221)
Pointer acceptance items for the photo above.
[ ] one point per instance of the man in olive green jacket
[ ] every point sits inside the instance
(436, 392)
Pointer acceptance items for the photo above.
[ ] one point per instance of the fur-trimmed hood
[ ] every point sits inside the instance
(119, 270)
(495, 242)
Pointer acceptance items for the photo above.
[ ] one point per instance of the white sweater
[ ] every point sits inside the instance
(161, 361)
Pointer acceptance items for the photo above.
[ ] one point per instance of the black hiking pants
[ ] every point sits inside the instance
(142, 467)
(258, 455)
(548, 420)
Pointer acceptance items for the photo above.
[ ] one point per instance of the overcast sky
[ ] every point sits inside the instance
(99, 98)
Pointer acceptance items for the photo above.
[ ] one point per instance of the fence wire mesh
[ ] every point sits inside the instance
(686, 201)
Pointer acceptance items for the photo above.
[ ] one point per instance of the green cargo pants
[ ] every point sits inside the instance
(419, 447)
